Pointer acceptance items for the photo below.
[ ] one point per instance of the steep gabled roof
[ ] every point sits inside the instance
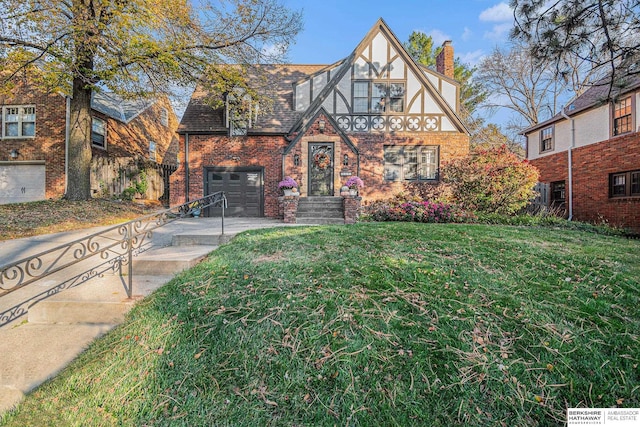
(282, 118)
(200, 117)
(382, 27)
(117, 107)
(596, 96)
(332, 124)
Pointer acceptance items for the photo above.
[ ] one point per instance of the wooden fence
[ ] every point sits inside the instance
(114, 177)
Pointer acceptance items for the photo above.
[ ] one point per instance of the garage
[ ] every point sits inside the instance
(22, 181)
(243, 187)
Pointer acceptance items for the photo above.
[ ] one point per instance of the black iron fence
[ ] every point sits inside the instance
(115, 246)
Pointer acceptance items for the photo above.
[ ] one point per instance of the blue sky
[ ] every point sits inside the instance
(333, 28)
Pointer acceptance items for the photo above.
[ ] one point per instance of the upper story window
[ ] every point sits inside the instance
(98, 133)
(19, 121)
(378, 97)
(410, 163)
(164, 117)
(622, 116)
(624, 184)
(546, 139)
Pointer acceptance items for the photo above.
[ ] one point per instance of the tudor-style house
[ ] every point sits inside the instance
(589, 156)
(376, 114)
(34, 131)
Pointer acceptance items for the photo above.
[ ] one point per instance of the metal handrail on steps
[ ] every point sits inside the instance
(115, 245)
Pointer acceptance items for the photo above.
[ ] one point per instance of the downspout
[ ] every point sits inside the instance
(67, 124)
(186, 167)
(570, 160)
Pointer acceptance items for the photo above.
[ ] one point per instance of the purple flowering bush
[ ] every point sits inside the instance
(414, 211)
(354, 183)
(287, 183)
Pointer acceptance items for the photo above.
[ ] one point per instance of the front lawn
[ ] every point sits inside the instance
(370, 325)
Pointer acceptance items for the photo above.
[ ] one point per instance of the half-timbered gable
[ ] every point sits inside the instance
(379, 88)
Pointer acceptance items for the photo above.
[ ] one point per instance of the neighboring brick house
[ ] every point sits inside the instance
(34, 133)
(376, 114)
(591, 159)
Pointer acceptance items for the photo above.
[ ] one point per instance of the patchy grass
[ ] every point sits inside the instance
(52, 216)
(372, 324)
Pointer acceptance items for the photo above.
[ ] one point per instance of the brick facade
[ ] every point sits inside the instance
(48, 143)
(123, 139)
(592, 166)
(223, 151)
(267, 152)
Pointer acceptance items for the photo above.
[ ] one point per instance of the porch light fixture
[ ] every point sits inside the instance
(14, 154)
(296, 160)
(345, 160)
(321, 125)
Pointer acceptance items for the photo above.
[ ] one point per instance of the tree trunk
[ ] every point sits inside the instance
(79, 167)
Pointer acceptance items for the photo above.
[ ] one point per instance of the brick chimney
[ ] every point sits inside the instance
(444, 61)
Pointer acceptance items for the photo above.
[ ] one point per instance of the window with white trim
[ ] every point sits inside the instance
(378, 97)
(622, 116)
(164, 117)
(410, 163)
(19, 121)
(152, 151)
(546, 139)
(98, 133)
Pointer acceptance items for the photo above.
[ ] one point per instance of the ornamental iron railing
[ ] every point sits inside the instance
(115, 246)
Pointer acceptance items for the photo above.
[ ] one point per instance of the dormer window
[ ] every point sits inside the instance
(378, 97)
(240, 112)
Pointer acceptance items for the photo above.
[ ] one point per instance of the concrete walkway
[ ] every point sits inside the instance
(57, 326)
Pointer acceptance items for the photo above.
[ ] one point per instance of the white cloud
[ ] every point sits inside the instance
(466, 35)
(438, 37)
(472, 58)
(498, 13)
(498, 32)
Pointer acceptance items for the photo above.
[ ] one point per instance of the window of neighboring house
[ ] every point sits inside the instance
(98, 133)
(624, 184)
(410, 163)
(152, 151)
(164, 117)
(546, 139)
(558, 193)
(378, 97)
(19, 121)
(622, 117)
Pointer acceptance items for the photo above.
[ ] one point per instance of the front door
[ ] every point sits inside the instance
(321, 169)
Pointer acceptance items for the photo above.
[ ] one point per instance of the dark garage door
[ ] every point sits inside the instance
(242, 187)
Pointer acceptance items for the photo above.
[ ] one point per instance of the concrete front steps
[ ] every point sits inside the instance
(103, 299)
(320, 210)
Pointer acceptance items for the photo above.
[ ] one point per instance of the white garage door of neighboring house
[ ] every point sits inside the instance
(243, 188)
(22, 182)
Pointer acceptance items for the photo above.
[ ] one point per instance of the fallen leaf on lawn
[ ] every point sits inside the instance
(270, 402)
(620, 401)
(549, 367)
(197, 355)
